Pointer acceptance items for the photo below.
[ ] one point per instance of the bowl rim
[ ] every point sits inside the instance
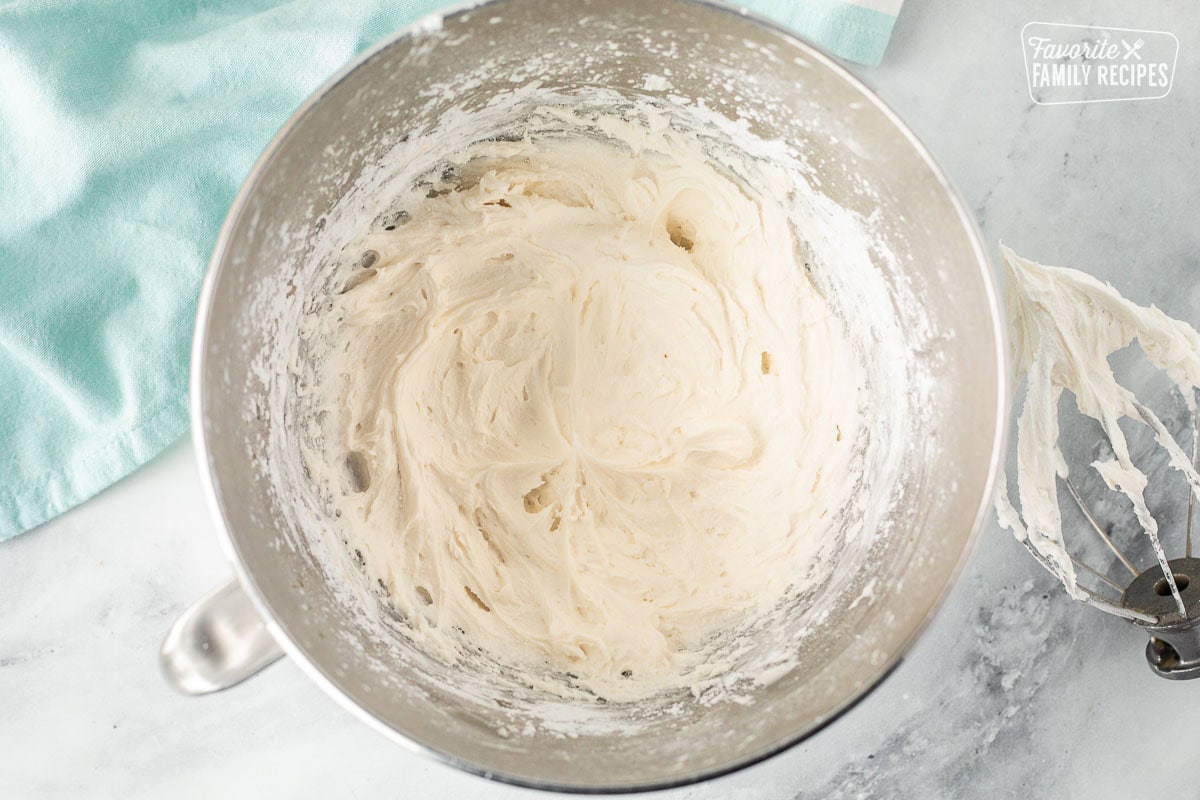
(197, 405)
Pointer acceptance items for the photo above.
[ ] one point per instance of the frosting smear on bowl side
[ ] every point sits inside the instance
(586, 409)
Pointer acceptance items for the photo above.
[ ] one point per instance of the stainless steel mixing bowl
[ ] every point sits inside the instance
(284, 602)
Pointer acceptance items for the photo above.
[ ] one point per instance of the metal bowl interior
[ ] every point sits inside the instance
(712, 54)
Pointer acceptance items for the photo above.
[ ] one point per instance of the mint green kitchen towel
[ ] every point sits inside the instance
(856, 30)
(126, 127)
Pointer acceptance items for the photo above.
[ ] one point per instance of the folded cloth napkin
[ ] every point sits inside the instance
(126, 127)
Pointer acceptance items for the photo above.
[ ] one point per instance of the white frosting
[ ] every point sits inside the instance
(589, 409)
(1064, 325)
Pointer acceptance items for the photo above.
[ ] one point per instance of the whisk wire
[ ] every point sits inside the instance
(1080, 565)
(1191, 496)
(1074, 492)
(1190, 467)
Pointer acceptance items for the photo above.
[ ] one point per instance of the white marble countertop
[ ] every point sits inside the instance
(1014, 691)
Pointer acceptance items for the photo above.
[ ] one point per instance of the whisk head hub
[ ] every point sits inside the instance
(1150, 593)
(1174, 647)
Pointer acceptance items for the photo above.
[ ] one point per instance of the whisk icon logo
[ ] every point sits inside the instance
(1088, 64)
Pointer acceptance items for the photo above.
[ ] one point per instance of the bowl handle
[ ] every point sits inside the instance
(218, 642)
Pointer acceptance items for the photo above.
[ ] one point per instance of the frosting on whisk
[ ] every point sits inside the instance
(1064, 325)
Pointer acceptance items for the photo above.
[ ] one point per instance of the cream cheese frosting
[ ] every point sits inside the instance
(1064, 325)
(588, 410)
